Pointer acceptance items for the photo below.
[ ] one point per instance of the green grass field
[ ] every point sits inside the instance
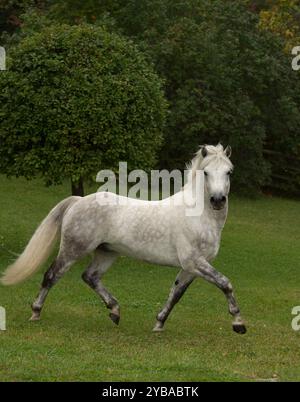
(75, 340)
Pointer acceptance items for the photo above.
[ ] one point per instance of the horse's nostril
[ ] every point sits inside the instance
(217, 200)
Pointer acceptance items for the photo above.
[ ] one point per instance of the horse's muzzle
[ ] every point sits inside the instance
(218, 202)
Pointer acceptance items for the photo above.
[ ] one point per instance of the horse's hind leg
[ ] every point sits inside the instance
(54, 273)
(92, 276)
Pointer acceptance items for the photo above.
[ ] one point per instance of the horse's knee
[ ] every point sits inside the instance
(229, 287)
(225, 285)
(234, 310)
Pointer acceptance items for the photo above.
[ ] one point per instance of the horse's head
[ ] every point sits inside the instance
(217, 168)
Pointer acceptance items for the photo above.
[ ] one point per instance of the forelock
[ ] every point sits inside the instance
(216, 155)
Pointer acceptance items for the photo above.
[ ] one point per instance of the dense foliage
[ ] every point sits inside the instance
(227, 72)
(227, 79)
(76, 99)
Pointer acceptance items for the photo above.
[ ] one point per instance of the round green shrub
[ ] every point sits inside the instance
(74, 100)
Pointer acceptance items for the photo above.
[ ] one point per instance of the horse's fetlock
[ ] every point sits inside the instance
(113, 304)
(36, 308)
(160, 317)
(234, 310)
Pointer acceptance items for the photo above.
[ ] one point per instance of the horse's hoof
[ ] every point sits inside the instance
(239, 328)
(115, 318)
(34, 317)
(158, 327)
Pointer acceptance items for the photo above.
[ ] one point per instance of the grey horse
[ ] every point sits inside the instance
(159, 232)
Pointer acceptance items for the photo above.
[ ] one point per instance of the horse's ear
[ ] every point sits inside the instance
(203, 151)
(228, 151)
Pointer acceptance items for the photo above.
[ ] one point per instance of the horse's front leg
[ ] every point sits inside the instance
(203, 269)
(182, 282)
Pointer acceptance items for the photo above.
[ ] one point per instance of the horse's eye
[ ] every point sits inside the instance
(205, 173)
(229, 173)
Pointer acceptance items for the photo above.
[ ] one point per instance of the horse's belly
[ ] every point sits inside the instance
(162, 259)
(154, 254)
(144, 233)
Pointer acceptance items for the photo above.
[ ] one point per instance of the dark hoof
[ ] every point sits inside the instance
(239, 328)
(115, 318)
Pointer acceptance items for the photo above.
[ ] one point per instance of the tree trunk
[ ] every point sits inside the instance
(77, 187)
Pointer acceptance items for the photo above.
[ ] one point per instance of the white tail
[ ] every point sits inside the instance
(40, 245)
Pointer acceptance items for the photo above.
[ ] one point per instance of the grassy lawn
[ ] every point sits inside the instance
(75, 340)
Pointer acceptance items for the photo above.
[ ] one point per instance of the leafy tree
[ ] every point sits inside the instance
(76, 99)
(282, 17)
(77, 11)
(226, 79)
(226, 75)
(10, 12)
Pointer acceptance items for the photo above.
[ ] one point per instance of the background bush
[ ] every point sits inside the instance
(76, 99)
